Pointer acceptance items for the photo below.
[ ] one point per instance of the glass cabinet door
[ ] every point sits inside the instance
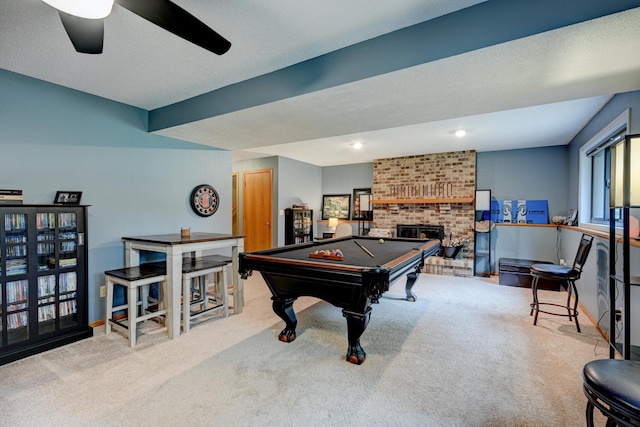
(46, 304)
(57, 289)
(68, 308)
(16, 260)
(17, 297)
(68, 235)
(14, 293)
(68, 258)
(46, 255)
(46, 236)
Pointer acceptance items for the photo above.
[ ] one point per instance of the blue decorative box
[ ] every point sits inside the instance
(532, 212)
(520, 211)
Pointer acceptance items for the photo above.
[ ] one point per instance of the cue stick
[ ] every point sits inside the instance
(363, 248)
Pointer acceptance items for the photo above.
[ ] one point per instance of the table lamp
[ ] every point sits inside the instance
(333, 223)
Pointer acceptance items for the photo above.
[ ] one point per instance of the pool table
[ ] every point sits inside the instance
(352, 283)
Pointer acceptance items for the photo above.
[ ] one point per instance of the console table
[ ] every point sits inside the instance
(175, 246)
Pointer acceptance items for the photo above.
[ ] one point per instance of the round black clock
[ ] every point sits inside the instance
(204, 200)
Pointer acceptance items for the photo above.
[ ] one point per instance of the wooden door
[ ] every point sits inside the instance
(234, 203)
(257, 209)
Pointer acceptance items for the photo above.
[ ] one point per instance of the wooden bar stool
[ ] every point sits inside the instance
(228, 261)
(197, 290)
(133, 278)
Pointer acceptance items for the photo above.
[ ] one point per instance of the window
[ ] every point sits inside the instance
(600, 178)
(595, 166)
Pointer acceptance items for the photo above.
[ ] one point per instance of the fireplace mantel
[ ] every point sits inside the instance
(461, 200)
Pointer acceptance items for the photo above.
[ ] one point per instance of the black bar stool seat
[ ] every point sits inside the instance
(613, 386)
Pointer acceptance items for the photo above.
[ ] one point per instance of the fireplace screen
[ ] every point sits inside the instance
(420, 231)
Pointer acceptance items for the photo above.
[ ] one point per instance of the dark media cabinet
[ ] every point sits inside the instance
(298, 226)
(43, 278)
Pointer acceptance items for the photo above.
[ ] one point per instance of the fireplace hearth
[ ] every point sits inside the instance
(420, 231)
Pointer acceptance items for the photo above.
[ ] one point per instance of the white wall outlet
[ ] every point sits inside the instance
(103, 291)
(281, 212)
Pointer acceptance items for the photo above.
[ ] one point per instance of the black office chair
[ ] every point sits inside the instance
(564, 274)
(613, 386)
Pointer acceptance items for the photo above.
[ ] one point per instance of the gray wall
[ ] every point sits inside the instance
(54, 138)
(343, 180)
(299, 183)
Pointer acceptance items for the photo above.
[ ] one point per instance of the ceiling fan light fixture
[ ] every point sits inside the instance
(90, 9)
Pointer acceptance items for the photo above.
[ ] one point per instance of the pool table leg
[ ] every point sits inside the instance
(411, 279)
(356, 324)
(283, 307)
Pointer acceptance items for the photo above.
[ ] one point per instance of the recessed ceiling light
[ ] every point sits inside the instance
(460, 133)
(357, 145)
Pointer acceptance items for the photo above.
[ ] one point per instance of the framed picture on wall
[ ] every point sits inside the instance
(336, 206)
(356, 201)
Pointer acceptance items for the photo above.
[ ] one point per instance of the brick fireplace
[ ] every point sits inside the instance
(436, 189)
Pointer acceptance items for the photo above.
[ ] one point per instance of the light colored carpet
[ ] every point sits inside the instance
(464, 354)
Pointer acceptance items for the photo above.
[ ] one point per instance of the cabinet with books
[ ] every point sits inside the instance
(43, 278)
(298, 226)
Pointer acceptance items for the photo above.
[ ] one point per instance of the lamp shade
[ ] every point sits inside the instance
(333, 222)
(91, 9)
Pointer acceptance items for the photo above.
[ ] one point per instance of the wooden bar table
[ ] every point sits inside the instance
(175, 246)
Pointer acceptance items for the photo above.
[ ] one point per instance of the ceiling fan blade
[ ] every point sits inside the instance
(85, 34)
(175, 19)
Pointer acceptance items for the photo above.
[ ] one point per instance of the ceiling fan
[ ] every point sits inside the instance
(83, 21)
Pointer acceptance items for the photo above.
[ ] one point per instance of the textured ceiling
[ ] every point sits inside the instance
(534, 91)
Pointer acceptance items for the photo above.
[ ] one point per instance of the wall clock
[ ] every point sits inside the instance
(204, 200)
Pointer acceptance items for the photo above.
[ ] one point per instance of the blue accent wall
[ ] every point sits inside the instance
(53, 138)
